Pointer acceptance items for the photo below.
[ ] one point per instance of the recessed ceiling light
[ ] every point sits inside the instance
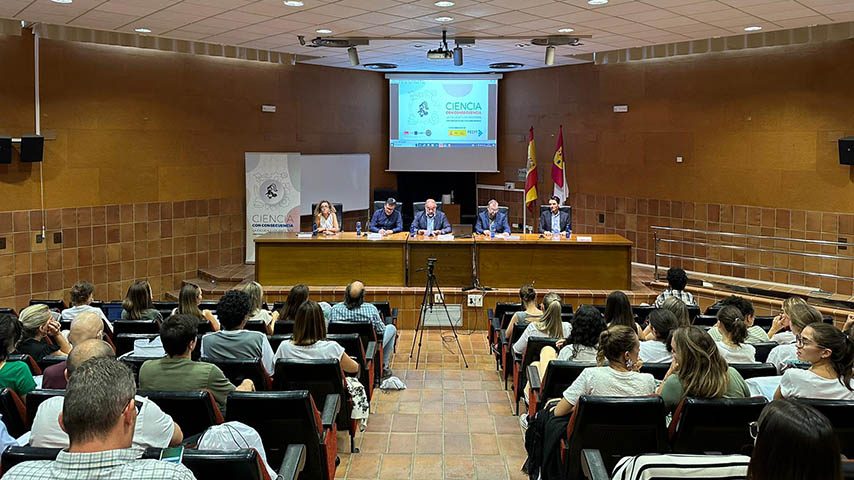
(505, 65)
(61, 1)
(566, 30)
(444, 19)
(380, 66)
(752, 28)
(293, 3)
(444, 4)
(597, 2)
(324, 31)
(142, 30)
(418, 45)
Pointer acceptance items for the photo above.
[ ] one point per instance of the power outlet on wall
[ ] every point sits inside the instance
(437, 298)
(475, 300)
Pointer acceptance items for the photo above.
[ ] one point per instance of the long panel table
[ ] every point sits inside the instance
(603, 263)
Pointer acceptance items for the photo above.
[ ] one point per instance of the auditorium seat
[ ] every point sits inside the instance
(389, 316)
(239, 369)
(283, 327)
(521, 362)
(380, 204)
(763, 349)
(750, 370)
(712, 310)
(507, 348)
(617, 426)
(364, 357)
(641, 312)
(10, 311)
(657, 467)
(717, 425)
(321, 378)
(55, 305)
(194, 410)
(277, 339)
(135, 363)
(112, 310)
(368, 334)
(51, 360)
(705, 320)
(124, 341)
(287, 418)
(136, 326)
(841, 416)
(339, 212)
(23, 357)
(35, 398)
(14, 413)
(559, 376)
(657, 370)
(256, 326)
(419, 207)
(501, 209)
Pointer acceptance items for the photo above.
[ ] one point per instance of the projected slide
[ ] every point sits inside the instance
(442, 123)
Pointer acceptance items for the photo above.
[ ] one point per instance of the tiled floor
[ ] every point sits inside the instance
(450, 422)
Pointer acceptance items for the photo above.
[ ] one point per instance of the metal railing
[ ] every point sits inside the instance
(659, 231)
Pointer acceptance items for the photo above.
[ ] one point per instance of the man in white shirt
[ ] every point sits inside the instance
(153, 427)
(82, 294)
(233, 341)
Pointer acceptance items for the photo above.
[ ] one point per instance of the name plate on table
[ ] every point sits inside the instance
(445, 238)
(512, 237)
(583, 239)
(375, 236)
(304, 235)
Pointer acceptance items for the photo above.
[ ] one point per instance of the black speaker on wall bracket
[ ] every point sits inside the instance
(32, 148)
(846, 151)
(5, 150)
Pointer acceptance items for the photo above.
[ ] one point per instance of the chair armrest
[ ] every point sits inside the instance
(592, 465)
(371, 351)
(331, 407)
(293, 463)
(517, 357)
(534, 377)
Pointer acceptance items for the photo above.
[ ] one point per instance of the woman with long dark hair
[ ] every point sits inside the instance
(831, 355)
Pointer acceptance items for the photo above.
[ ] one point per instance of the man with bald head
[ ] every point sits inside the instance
(431, 221)
(354, 309)
(86, 326)
(153, 427)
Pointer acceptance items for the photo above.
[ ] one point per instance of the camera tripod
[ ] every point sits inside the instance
(427, 302)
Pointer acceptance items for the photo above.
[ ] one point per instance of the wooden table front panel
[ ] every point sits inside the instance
(284, 259)
(603, 264)
(453, 265)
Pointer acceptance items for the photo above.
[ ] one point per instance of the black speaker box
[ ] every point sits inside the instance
(846, 151)
(5, 150)
(32, 148)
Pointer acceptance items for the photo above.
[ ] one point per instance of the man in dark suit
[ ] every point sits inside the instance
(553, 220)
(430, 221)
(492, 220)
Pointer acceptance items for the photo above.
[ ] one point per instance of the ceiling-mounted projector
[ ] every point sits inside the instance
(440, 54)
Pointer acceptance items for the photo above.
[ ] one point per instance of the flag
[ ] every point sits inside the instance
(558, 170)
(531, 179)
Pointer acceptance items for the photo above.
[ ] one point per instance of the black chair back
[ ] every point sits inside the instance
(384, 308)
(520, 370)
(566, 308)
(365, 330)
(419, 207)
(339, 212)
(563, 208)
(50, 361)
(763, 349)
(124, 341)
(13, 413)
(618, 426)
(501, 209)
(716, 425)
(14, 455)
(559, 376)
(194, 410)
(36, 397)
(501, 308)
(26, 358)
(658, 370)
(283, 327)
(55, 305)
(713, 309)
(763, 321)
(9, 311)
(256, 326)
(208, 305)
(750, 370)
(136, 326)
(841, 416)
(168, 306)
(320, 378)
(641, 312)
(277, 339)
(705, 320)
(380, 204)
(693, 311)
(239, 369)
(352, 344)
(281, 419)
(135, 363)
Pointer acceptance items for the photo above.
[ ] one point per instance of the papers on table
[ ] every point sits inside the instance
(512, 237)
(304, 235)
(583, 239)
(446, 238)
(375, 236)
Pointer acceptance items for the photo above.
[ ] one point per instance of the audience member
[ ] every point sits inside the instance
(733, 331)
(618, 311)
(755, 333)
(233, 341)
(550, 325)
(325, 218)
(677, 280)
(87, 326)
(138, 305)
(799, 316)
(82, 294)
(6, 440)
(679, 309)
(582, 343)
(530, 310)
(189, 299)
(153, 427)
(618, 345)
(37, 323)
(354, 309)
(296, 297)
(13, 375)
(177, 372)
(794, 441)
(657, 348)
(831, 355)
(257, 312)
(780, 330)
(100, 418)
(698, 370)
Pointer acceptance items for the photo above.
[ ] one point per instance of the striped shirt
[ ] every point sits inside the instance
(366, 312)
(122, 464)
(686, 297)
(707, 467)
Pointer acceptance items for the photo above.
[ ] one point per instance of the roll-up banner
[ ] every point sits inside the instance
(272, 196)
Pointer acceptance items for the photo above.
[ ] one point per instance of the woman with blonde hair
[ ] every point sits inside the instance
(256, 301)
(781, 327)
(549, 325)
(699, 370)
(325, 218)
(37, 322)
(798, 317)
(189, 299)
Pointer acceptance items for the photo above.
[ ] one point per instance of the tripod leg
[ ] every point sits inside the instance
(418, 323)
(453, 328)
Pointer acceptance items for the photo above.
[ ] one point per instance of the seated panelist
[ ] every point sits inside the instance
(430, 221)
(492, 220)
(325, 218)
(553, 220)
(387, 220)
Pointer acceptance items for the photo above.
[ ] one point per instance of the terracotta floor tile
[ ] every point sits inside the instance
(511, 445)
(373, 443)
(410, 395)
(427, 467)
(396, 467)
(484, 444)
(458, 444)
(402, 443)
(475, 396)
(364, 465)
(379, 422)
(481, 424)
(505, 424)
(429, 423)
(459, 467)
(429, 443)
(409, 407)
(404, 423)
(456, 424)
(491, 467)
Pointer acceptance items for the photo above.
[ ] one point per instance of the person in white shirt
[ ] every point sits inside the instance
(657, 349)
(621, 378)
(755, 333)
(549, 325)
(733, 330)
(153, 427)
(800, 315)
(82, 294)
(583, 341)
(831, 355)
(256, 312)
(780, 330)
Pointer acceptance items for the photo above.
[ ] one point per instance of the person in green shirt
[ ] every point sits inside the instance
(698, 370)
(13, 375)
(177, 372)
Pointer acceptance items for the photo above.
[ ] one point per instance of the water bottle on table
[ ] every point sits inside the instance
(359, 229)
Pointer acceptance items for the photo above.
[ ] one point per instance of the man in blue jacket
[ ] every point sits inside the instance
(554, 220)
(386, 220)
(492, 220)
(430, 221)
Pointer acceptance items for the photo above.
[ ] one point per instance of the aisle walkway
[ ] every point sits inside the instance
(450, 423)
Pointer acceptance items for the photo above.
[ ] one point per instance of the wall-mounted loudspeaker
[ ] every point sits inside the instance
(5, 150)
(32, 148)
(846, 151)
